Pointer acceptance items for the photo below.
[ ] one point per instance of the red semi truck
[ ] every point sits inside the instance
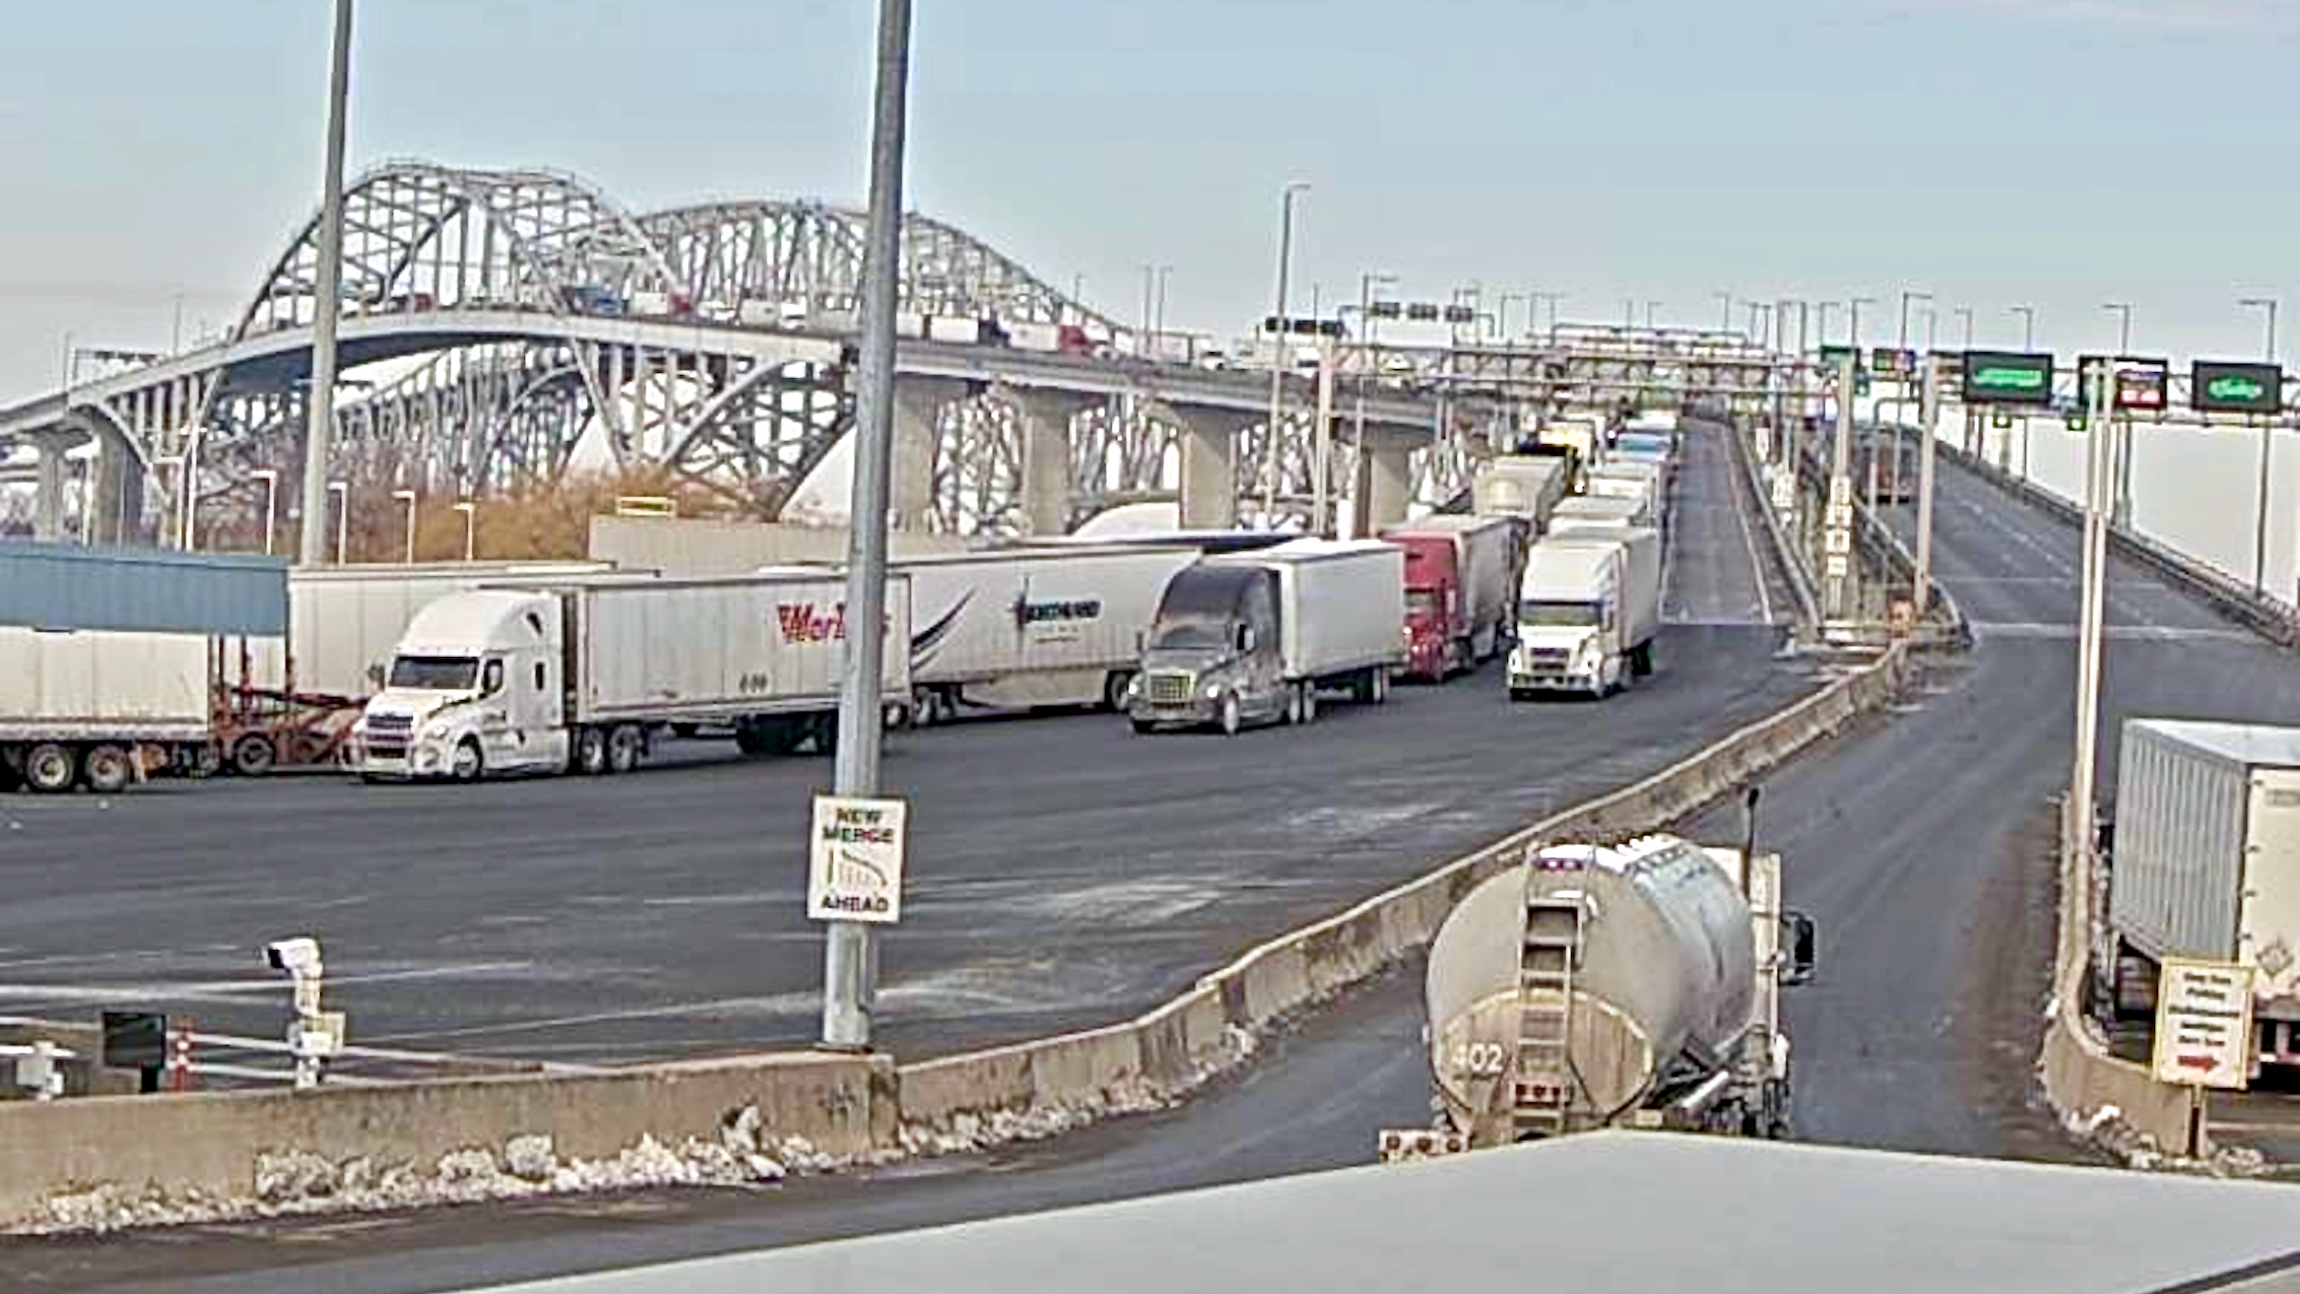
(1461, 589)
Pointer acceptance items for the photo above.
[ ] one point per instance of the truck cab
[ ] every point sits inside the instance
(1434, 604)
(474, 687)
(1212, 655)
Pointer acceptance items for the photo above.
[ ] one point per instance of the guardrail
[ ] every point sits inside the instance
(2271, 618)
(1790, 556)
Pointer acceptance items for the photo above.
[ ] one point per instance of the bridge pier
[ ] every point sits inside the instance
(1045, 417)
(118, 497)
(918, 405)
(48, 489)
(1385, 487)
(1210, 466)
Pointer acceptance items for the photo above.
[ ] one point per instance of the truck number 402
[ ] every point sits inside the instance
(1480, 1059)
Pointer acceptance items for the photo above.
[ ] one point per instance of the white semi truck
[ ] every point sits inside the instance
(1599, 986)
(2205, 863)
(1637, 479)
(1255, 637)
(101, 708)
(582, 677)
(1037, 626)
(1588, 611)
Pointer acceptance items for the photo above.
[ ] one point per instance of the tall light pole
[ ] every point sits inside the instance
(1965, 315)
(2088, 657)
(1502, 321)
(2027, 326)
(340, 493)
(1149, 278)
(1901, 339)
(1278, 348)
(1727, 299)
(2120, 429)
(1652, 309)
(1552, 298)
(2123, 311)
(850, 951)
(1821, 326)
(2267, 439)
(470, 510)
(408, 497)
(327, 307)
(1158, 316)
(271, 479)
(1857, 303)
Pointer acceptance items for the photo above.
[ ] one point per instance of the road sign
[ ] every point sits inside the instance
(1840, 513)
(1834, 357)
(1838, 540)
(854, 860)
(1885, 359)
(2142, 385)
(2217, 386)
(1836, 566)
(2204, 1023)
(2007, 377)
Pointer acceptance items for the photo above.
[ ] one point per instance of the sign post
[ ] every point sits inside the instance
(2203, 1032)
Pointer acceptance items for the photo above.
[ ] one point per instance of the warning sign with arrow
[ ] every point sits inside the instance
(2204, 1024)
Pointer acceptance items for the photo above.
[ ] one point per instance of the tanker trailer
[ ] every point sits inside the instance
(1597, 986)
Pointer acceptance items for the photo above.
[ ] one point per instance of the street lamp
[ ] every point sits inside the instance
(408, 497)
(327, 287)
(1857, 303)
(271, 479)
(1552, 298)
(1158, 318)
(2123, 311)
(1651, 308)
(1823, 308)
(1727, 299)
(340, 491)
(1965, 314)
(470, 511)
(1278, 347)
(1901, 340)
(2027, 326)
(2267, 437)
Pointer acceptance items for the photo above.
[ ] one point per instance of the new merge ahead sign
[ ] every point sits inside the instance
(2216, 386)
(2007, 377)
(854, 860)
(2204, 1024)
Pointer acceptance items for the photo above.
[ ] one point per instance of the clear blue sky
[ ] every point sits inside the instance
(2063, 152)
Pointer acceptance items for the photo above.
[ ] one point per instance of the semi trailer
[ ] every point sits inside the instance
(103, 708)
(1254, 637)
(1527, 486)
(585, 676)
(1588, 611)
(1461, 582)
(1612, 986)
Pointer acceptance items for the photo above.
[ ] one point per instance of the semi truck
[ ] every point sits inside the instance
(1634, 479)
(2204, 862)
(1039, 626)
(103, 708)
(1588, 610)
(1596, 512)
(1520, 485)
(1461, 578)
(585, 676)
(1254, 637)
(1612, 986)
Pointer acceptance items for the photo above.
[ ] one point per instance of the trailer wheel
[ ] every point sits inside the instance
(751, 737)
(107, 770)
(626, 746)
(1309, 701)
(1381, 685)
(253, 755)
(591, 751)
(49, 769)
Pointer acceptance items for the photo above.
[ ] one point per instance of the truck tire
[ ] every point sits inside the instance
(1114, 690)
(626, 747)
(1381, 685)
(1309, 702)
(254, 755)
(1229, 720)
(50, 769)
(591, 751)
(107, 770)
(467, 764)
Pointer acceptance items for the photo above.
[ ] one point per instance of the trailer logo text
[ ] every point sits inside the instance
(812, 623)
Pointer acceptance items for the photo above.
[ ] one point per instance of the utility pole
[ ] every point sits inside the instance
(2267, 440)
(1278, 351)
(2119, 430)
(327, 304)
(850, 952)
(2088, 655)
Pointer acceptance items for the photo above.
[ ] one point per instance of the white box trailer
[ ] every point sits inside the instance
(1597, 512)
(584, 676)
(99, 708)
(1036, 626)
(1341, 608)
(1632, 480)
(2206, 864)
(1519, 485)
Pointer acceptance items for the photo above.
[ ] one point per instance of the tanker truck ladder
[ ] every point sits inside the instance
(1544, 1072)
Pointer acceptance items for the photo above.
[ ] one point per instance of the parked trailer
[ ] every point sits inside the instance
(1462, 575)
(103, 708)
(1597, 986)
(1253, 637)
(2205, 864)
(1527, 486)
(1595, 512)
(585, 676)
(1039, 626)
(1588, 611)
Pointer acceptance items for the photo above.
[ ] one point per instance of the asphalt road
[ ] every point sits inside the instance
(1064, 872)
(1921, 844)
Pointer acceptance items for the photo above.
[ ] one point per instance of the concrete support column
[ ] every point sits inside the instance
(1210, 466)
(1386, 484)
(119, 494)
(48, 491)
(1046, 472)
(918, 402)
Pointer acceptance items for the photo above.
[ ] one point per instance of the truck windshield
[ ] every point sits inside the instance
(1556, 613)
(1190, 635)
(1421, 602)
(434, 673)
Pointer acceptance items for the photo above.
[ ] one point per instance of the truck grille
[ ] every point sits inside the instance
(1547, 656)
(1167, 687)
(388, 735)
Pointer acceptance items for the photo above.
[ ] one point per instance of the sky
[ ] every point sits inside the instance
(2061, 153)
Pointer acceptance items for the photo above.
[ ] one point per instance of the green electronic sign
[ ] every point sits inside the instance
(2007, 377)
(2217, 386)
(1834, 357)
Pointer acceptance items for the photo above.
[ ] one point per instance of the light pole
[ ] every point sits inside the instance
(1857, 303)
(1965, 315)
(2120, 429)
(1502, 323)
(1158, 317)
(1652, 308)
(1552, 298)
(340, 493)
(1278, 348)
(319, 421)
(470, 511)
(850, 951)
(1821, 327)
(408, 497)
(1901, 339)
(2088, 658)
(2123, 311)
(271, 479)
(1149, 277)
(2267, 439)
(1727, 299)
(2027, 326)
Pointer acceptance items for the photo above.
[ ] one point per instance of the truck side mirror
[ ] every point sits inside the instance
(1798, 936)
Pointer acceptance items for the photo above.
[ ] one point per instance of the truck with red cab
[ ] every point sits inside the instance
(1462, 574)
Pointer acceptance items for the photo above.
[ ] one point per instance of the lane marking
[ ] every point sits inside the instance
(2131, 633)
(1748, 537)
